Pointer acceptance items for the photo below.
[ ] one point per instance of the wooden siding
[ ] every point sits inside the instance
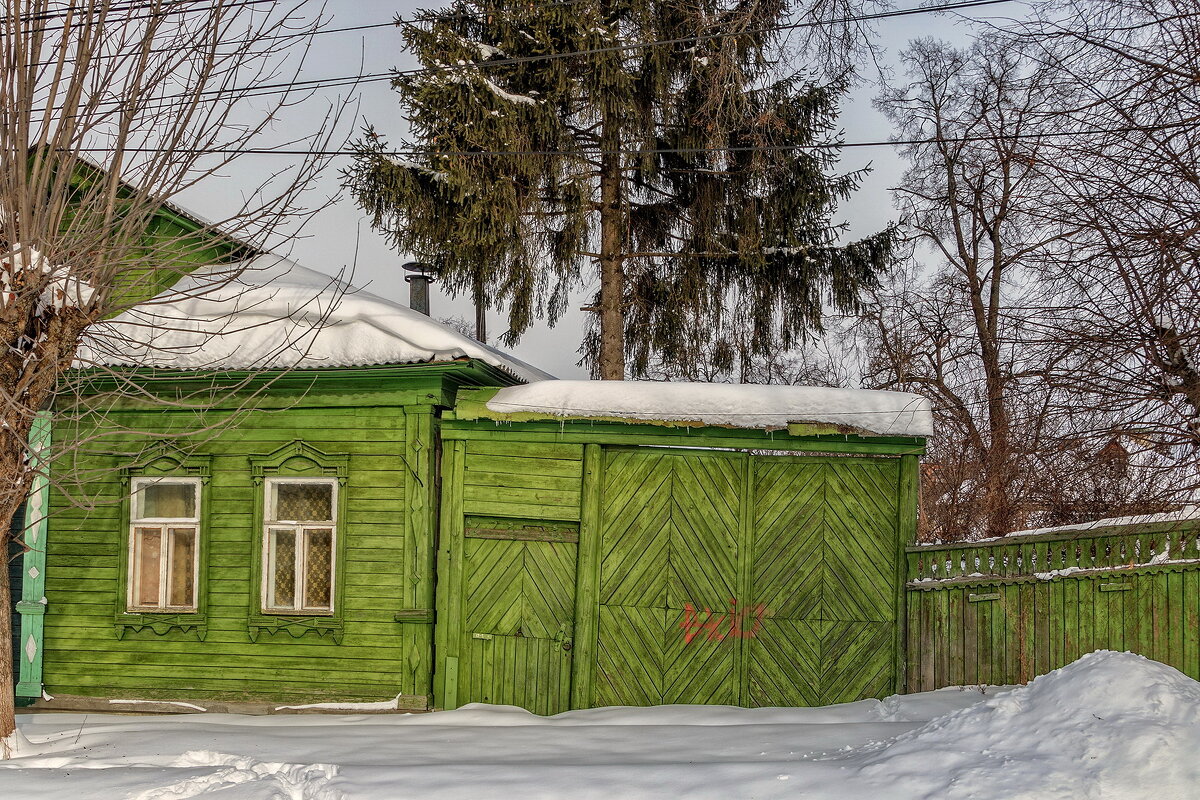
(679, 575)
(1006, 611)
(379, 655)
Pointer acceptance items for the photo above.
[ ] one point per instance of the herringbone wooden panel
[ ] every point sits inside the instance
(789, 508)
(785, 664)
(856, 661)
(518, 610)
(670, 528)
(820, 615)
(700, 670)
(629, 656)
(494, 575)
(860, 542)
(824, 569)
(703, 531)
(636, 529)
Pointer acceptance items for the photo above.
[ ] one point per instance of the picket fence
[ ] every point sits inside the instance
(1007, 610)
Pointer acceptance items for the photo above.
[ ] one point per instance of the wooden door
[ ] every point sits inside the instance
(823, 575)
(669, 564)
(518, 618)
(737, 579)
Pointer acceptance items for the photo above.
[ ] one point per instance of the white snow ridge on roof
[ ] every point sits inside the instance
(734, 405)
(276, 314)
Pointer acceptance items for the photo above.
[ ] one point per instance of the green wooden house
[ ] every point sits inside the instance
(369, 506)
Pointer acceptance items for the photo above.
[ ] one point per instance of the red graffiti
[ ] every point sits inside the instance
(720, 626)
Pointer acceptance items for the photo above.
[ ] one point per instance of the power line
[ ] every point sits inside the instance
(679, 151)
(264, 90)
(163, 9)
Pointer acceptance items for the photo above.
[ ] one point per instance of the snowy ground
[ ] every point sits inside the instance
(1109, 726)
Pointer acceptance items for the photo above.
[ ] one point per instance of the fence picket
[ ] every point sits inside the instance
(1006, 610)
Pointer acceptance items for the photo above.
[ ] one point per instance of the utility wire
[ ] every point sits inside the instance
(263, 90)
(164, 9)
(679, 151)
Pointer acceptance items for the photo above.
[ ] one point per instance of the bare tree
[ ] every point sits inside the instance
(109, 112)
(1126, 174)
(970, 198)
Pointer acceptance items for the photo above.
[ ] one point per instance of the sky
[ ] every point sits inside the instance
(338, 237)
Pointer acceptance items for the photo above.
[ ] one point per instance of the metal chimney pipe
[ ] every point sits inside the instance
(418, 285)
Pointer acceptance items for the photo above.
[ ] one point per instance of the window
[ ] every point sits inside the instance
(300, 532)
(163, 544)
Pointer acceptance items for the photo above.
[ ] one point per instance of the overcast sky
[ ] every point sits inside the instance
(338, 237)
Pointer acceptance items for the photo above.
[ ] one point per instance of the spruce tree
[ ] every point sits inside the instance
(659, 146)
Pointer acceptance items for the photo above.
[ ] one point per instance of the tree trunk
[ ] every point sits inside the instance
(8, 723)
(611, 362)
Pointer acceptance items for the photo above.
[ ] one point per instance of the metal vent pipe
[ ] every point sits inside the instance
(418, 285)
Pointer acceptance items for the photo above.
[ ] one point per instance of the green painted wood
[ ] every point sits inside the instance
(448, 631)
(374, 660)
(633, 435)
(518, 601)
(669, 578)
(420, 518)
(1012, 618)
(587, 581)
(906, 536)
(32, 607)
(826, 561)
(728, 578)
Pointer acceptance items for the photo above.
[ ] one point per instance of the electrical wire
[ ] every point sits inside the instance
(289, 87)
(636, 152)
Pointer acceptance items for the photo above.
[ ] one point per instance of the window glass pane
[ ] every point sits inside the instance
(168, 500)
(181, 592)
(318, 568)
(304, 501)
(283, 569)
(147, 566)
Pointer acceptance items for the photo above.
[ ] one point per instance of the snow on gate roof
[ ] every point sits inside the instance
(733, 405)
(276, 314)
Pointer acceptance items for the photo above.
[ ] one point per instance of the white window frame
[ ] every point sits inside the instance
(300, 529)
(164, 524)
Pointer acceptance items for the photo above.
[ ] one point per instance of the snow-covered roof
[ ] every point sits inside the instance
(734, 405)
(276, 314)
(1183, 515)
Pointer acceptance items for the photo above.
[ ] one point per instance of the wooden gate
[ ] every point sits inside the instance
(824, 572)
(518, 615)
(752, 580)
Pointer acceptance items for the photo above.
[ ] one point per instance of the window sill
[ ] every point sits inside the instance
(161, 623)
(295, 625)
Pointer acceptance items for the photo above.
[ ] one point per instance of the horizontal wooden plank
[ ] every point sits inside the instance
(542, 497)
(524, 510)
(517, 535)
(522, 479)
(527, 449)
(660, 437)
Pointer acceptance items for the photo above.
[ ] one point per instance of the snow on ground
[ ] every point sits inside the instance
(271, 313)
(736, 405)
(1111, 725)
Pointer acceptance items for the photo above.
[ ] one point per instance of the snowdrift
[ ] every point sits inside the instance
(1110, 726)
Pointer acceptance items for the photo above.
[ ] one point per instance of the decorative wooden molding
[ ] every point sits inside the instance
(295, 626)
(320, 463)
(416, 616)
(315, 464)
(162, 624)
(165, 458)
(32, 605)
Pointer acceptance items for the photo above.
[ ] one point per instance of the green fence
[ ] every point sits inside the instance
(1005, 611)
